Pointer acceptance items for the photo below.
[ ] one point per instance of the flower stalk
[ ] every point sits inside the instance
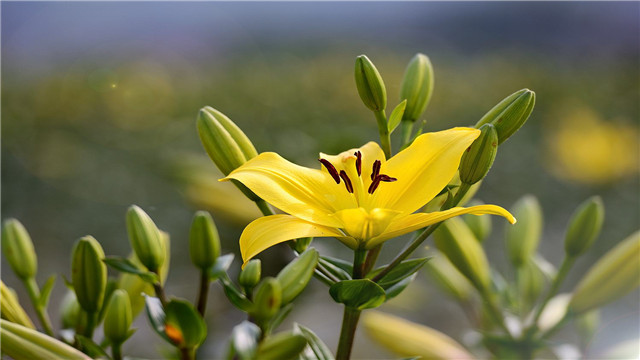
(41, 312)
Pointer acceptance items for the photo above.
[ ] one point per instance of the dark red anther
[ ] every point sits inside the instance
(331, 169)
(376, 169)
(374, 185)
(347, 181)
(358, 162)
(386, 178)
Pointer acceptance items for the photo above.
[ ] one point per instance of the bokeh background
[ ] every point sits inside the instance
(99, 101)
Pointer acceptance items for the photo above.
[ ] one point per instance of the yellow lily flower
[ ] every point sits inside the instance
(358, 196)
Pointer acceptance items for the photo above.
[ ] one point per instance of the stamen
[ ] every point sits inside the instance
(376, 169)
(358, 162)
(331, 169)
(374, 185)
(347, 181)
(386, 178)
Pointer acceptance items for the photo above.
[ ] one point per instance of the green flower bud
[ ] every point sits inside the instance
(454, 239)
(554, 311)
(510, 114)
(522, 238)
(584, 226)
(70, 311)
(370, 85)
(10, 308)
(117, 320)
(183, 325)
(204, 242)
(587, 325)
(531, 283)
(18, 249)
(417, 87)
(479, 157)
(145, 239)
(479, 225)
(19, 342)
(281, 346)
(88, 273)
(449, 278)
(612, 277)
(250, 275)
(266, 300)
(296, 275)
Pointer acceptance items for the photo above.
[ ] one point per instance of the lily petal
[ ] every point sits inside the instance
(423, 169)
(406, 224)
(268, 231)
(309, 194)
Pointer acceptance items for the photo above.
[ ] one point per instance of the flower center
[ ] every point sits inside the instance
(376, 177)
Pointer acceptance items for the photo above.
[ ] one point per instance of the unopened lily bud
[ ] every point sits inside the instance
(88, 273)
(11, 309)
(250, 275)
(117, 320)
(554, 311)
(587, 325)
(266, 300)
(522, 238)
(479, 157)
(223, 140)
(370, 85)
(612, 277)
(284, 345)
(145, 239)
(18, 249)
(510, 114)
(294, 277)
(417, 87)
(70, 311)
(204, 242)
(20, 342)
(183, 325)
(449, 278)
(454, 239)
(531, 283)
(479, 225)
(584, 226)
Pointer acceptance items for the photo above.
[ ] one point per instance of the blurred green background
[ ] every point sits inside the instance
(99, 103)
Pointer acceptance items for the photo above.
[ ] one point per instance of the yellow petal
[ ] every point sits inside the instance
(268, 231)
(308, 194)
(404, 224)
(362, 224)
(370, 151)
(423, 169)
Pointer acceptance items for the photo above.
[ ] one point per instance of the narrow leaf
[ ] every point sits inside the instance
(358, 294)
(244, 340)
(342, 264)
(334, 270)
(221, 266)
(398, 273)
(127, 266)
(234, 295)
(91, 348)
(319, 348)
(156, 315)
(396, 116)
(395, 289)
(45, 292)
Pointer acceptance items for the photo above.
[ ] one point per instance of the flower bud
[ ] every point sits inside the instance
(223, 140)
(612, 277)
(417, 87)
(284, 345)
(70, 311)
(479, 225)
(204, 242)
(266, 300)
(479, 157)
(522, 238)
(530, 283)
(294, 277)
(18, 249)
(449, 278)
(19, 342)
(88, 273)
(11, 309)
(554, 311)
(250, 275)
(370, 85)
(510, 114)
(183, 325)
(454, 239)
(145, 239)
(587, 325)
(117, 319)
(584, 226)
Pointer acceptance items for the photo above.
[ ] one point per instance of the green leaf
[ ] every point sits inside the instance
(221, 266)
(91, 348)
(45, 292)
(127, 266)
(334, 270)
(358, 294)
(234, 295)
(342, 264)
(396, 116)
(395, 289)
(403, 270)
(156, 315)
(188, 329)
(280, 316)
(282, 346)
(317, 346)
(244, 341)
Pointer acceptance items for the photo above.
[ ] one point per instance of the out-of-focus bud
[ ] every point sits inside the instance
(18, 249)
(204, 242)
(183, 325)
(584, 226)
(510, 114)
(370, 85)
(479, 157)
(417, 87)
(223, 140)
(70, 311)
(479, 225)
(295, 276)
(554, 311)
(449, 278)
(405, 338)
(522, 238)
(117, 320)
(250, 275)
(531, 283)
(587, 325)
(266, 300)
(612, 277)
(454, 239)
(19, 342)
(145, 239)
(10, 308)
(284, 345)
(88, 273)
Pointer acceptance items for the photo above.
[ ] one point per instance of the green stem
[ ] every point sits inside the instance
(116, 351)
(91, 324)
(493, 309)
(203, 292)
(157, 287)
(41, 312)
(187, 353)
(264, 207)
(370, 261)
(567, 263)
(347, 333)
(383, 130)
(407, 131)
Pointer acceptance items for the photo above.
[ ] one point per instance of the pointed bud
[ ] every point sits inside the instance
(478, 158)
(417, 87)
(530, 283)
(479, 225)
(18, 249)
(88, 273)
(454, 239)
(266, 300)
(296, 275)
(522, 238)
(117, 319)
(250, 275)
(584, 226)
(370, 85)
(612, 277)
(204, 242)
(11, 309)
(19, 342)
(510, 114)
(145, 238)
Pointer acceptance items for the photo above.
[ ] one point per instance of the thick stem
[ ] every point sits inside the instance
(347, 333)
(567, 263)
(41, 313)
(407, 131)
(116, 351)
(203, 292)
(91, 324)
(385, 139)
(187, 353)
(370, 261)
(157, 287)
